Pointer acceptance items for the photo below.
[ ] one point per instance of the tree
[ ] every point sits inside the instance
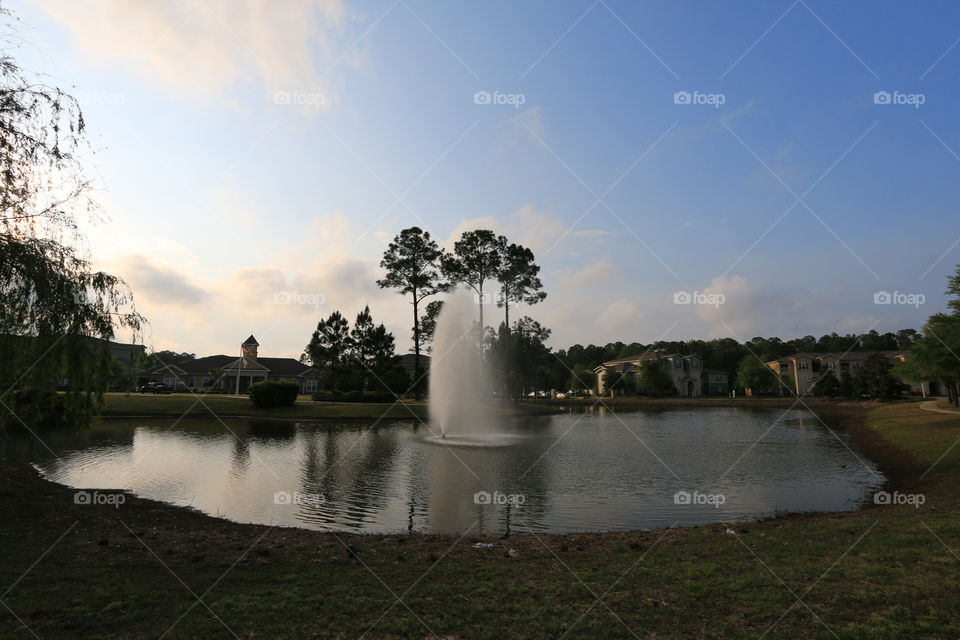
(753, 374)
(654, 380)
(329, 348)
(877, 380)
(519, 282)
(827, 386)
(582, 379)
(428, 323)
(165, 357)
(373, 352)
(931, 356)
(622, 382)
(476, 258)
(848, 386)
(58, 314)
(413, 262)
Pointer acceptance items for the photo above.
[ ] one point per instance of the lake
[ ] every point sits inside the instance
(564, 473)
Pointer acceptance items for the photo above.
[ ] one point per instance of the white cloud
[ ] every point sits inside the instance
(200, 49)
(160, 283)
(619, 316)
(533, 228)
(596, 273)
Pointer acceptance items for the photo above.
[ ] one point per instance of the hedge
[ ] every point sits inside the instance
(274, 393)
(353, 396)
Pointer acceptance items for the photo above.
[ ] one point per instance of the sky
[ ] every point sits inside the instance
(680, 169)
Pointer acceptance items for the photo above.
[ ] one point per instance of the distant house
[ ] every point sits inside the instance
(716, 382)
(803, 370)
(686, 371)
(249, 368)
(407, 362)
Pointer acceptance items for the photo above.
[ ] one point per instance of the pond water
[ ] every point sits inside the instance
(565, 473)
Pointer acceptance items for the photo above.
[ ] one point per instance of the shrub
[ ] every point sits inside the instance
(274, 393)
(44, 408)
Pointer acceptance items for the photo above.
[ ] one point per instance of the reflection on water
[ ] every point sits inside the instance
(563, 473)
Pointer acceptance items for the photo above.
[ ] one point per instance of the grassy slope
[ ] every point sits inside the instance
(878, 573)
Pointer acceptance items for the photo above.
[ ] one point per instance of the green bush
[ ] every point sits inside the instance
(43, 408)
(274, 393)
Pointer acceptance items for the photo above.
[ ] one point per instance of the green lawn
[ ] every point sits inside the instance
(131, 572)
(180, 404)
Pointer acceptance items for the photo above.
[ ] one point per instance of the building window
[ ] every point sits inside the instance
(856, 365)
(309, 385)
(804, 366)
(830, 365)
(676, 364)
(844, 365)
(784, 367)
(170, 382)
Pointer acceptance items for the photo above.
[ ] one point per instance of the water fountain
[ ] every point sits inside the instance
(460, 389)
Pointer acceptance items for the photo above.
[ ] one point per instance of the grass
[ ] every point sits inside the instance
(222, 405)
(132, 571)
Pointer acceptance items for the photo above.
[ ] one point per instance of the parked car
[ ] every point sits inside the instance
(156, 387)
(561, 396)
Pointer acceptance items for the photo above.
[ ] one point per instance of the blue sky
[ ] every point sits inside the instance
(222, 196)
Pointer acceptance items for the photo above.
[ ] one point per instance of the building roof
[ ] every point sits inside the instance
(836, 355)
(250, 340)
(284, 367)
(650, 355)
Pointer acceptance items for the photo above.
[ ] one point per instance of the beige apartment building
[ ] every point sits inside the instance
(685, 370)
(802, 370)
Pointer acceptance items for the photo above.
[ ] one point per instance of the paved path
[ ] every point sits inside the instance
(932, 406)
